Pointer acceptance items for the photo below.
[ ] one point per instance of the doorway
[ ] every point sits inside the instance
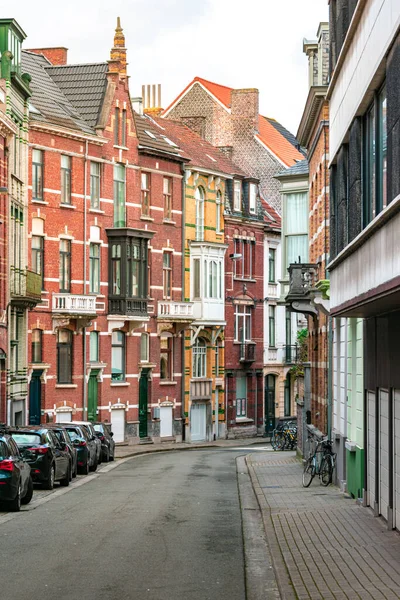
(269, 401)
(143, 402)
(93, 388)
(35, 398)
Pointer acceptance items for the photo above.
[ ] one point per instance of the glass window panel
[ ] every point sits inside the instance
(94, 346)
(296, 213)
(296, 246)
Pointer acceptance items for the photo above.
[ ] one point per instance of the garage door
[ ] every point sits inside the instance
(165, 421)
(383, 452)
(396, 462)
(371, 402)
(198, 422)
(64, 417)
(118, 424)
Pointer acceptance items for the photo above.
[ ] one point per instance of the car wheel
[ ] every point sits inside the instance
(28, 496)
(15, 505)
(65, 482)
(75, 472)
(106, 457)
(94, 465)
(49, 484)
(70, 471)
(100, 459)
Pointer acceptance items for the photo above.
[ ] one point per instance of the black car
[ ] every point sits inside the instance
(92, 437)
(48, 460)
(16, 486)
(105, 435)
(85, 446)
(65, 441)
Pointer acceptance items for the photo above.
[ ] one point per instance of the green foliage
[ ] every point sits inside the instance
(302, 353)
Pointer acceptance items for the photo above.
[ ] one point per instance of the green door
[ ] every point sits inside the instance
(35, 398)
(93, 387)
(269, 404)
(143, 402)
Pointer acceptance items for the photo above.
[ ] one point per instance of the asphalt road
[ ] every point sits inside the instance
(158, 527)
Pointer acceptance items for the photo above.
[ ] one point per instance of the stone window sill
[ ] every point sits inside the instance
(68, 386)
(168, 383)
(120, 384)
(244, 420)
(168, 222)
(70, 206)
(37, 201)
(98, 211)
(146, 218)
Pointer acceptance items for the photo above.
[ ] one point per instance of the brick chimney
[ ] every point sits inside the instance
(57, 56)
(117, 62)
(245, 111)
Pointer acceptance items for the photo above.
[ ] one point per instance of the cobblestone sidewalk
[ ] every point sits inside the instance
(323, 544)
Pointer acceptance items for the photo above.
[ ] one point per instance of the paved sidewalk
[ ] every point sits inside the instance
(125, 450)
(323, 544)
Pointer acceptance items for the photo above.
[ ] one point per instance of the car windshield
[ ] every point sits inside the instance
(73, 434)
(98, 427)
(27, 438)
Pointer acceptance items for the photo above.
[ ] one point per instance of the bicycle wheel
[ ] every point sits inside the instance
(273, 440)
(309, 472)
(280, 441)
(326, 470)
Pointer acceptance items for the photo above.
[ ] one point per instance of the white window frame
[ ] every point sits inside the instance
(218, 208)
(237, 195)
(199, 359)
(243, 316)
(199, 199)
(252, 198)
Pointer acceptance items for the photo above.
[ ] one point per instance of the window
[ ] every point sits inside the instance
(16, 336)
(119, 196)
(65, 266)
(218, 209)
(242, 323)
(144, 347)
(149, 273)
(123, 128)
(271, 266)
(271, 325)
(196, 278)
(199, 199)
(166, 358)
(38, 256)
(116, 127)
(94, 346)
(375, 158)
(287, 397)
(199, 358)
(94, 268)
(65, 179)
(95, 185)
(252, 198)
(145, 194)
(296, 212)
(241, 397)
(167, 193)
(116, 269)
(244, 266)
(118, 356)
(36, 346)
(64, 356)
(37, 175)
(134, 271)
(167, 274)
(213, 285)
(237, 196)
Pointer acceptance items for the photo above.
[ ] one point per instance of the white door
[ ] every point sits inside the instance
(165, 421)
(396, 461)
(64, 417)
(198, 422)
(371, 402)
(383, 452)
(118, 424)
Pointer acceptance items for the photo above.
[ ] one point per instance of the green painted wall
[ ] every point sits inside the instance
(355, 472)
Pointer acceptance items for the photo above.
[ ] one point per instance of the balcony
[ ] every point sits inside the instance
(74, 304)
(25, 288)
(247, 352)
(290, 354)
(201, 389)
(131, 307)
(175, 311)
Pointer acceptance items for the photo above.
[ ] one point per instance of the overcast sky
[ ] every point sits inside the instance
(238, 43)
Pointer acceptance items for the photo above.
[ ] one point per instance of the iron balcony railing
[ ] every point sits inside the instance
(290, 354)
(25, 286)
(247, 352)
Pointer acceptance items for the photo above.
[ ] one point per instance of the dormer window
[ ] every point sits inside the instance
(237, 196)
(252, 198)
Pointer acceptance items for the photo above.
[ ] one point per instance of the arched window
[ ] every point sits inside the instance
(218, 209)
(200, 359)
(199, 197)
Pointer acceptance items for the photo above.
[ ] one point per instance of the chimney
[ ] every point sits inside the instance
(56, 56)
(245, 111)
(117, 62)
(151, 99)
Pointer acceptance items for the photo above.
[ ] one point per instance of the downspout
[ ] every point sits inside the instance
(84, 389)
(330, 329)
(183, 396)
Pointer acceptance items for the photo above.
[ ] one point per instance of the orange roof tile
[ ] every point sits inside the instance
(277, 143)
(221, 92)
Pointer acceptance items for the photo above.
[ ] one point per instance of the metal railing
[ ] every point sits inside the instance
(25, 284)
(290, 354)
(247, 352)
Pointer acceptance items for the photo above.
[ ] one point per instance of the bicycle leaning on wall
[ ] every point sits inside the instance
(321, 462)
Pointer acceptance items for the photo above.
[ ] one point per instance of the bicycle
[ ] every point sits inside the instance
(322, 465)
(284, 436)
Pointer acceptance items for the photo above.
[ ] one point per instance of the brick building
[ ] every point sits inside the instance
(230, 120)
(104, 231)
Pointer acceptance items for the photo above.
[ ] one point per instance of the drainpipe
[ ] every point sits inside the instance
(330, 377)
(256, 407)
(84, 395)
(183, 396)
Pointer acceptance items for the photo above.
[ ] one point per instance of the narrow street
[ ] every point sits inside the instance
(158, 527)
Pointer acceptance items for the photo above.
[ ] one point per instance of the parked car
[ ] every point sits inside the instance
(48, 460)
(65, 441)
(92, 435)
(105, 435)
(16, 485)
(85, 446)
